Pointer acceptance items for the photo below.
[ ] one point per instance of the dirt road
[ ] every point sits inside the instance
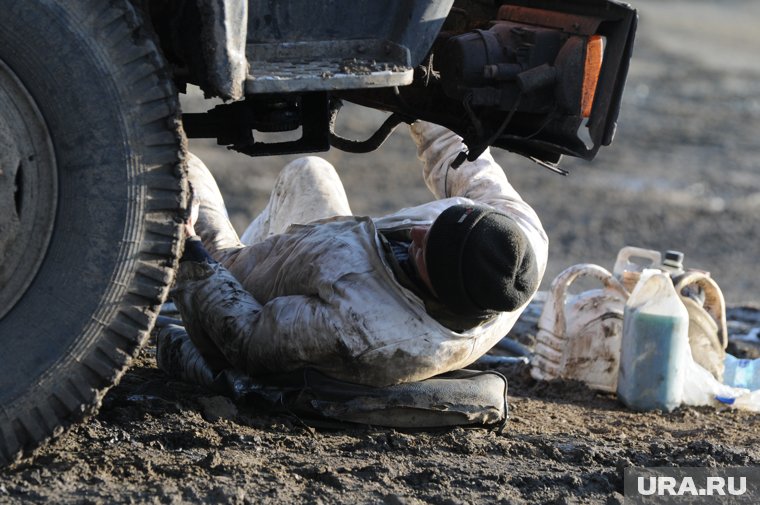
(684, 173)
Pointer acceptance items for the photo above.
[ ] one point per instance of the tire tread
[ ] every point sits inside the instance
(77, 395)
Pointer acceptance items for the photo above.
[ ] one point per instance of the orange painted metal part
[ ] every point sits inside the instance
(592, 68)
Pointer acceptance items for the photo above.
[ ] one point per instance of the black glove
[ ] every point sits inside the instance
(194, 251)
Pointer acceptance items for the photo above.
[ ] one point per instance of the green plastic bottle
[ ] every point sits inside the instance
(655, 345)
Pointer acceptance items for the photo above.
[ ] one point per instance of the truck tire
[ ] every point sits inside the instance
(92, 194)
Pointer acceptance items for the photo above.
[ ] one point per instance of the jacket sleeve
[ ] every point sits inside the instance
(482, 180)
(254, 338)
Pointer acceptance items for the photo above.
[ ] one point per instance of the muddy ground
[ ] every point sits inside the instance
(683, 173)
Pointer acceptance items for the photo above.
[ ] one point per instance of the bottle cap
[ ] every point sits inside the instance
(673, 258)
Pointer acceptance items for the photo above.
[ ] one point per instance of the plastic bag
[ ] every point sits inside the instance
(701, 388)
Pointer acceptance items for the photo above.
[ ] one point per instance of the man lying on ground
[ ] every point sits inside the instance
(373, 301)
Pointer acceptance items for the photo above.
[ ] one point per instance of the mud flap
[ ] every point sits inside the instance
(458, 398)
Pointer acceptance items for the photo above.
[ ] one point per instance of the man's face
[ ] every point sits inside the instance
(417, 253)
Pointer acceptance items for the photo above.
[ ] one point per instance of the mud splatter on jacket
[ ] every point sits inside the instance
(323, 294)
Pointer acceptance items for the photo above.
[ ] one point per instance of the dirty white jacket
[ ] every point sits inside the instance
(323, 294)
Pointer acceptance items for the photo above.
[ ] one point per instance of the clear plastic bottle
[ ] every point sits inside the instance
(742, 373)
(654, 350)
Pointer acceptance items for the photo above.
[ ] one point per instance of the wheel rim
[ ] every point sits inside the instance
(28, 189)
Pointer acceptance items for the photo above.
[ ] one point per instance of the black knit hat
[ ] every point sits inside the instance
(479, 259)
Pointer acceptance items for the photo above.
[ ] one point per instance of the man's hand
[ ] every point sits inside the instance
(192, 219)
(194, 250)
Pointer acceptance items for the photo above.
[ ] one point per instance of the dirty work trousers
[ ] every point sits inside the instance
(306, 189)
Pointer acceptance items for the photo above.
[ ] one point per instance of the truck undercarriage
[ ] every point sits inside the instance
(541, 78)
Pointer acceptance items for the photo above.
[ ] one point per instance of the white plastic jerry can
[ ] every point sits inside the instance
(700, 294)
(708, 332)
(579, 334)
(631, 261)
(654, 354)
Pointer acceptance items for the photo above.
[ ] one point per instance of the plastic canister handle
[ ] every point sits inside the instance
(564, 280)
(623, 262)
(715, 304)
